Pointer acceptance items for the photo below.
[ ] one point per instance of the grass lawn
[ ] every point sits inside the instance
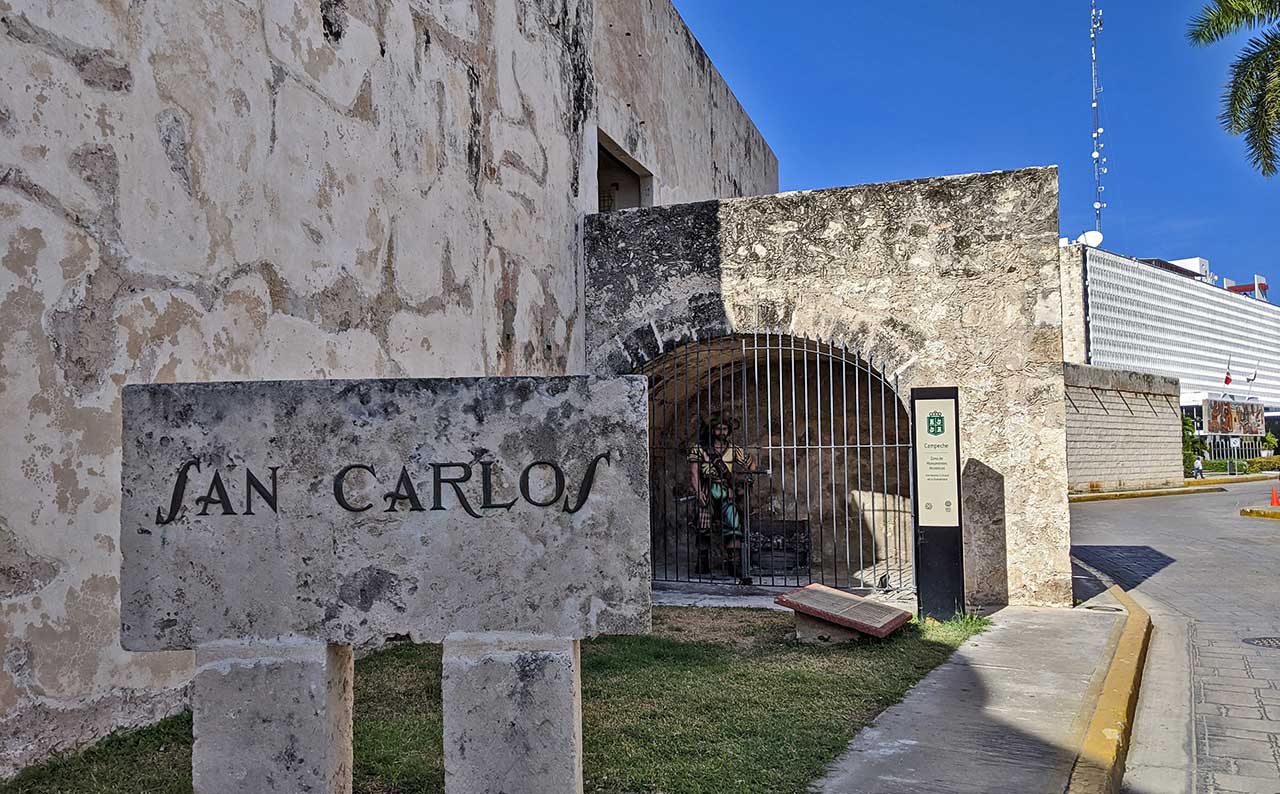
(715, 700)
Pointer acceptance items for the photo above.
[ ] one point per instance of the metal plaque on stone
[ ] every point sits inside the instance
(845, 609)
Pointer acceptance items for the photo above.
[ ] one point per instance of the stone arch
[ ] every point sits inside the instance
(949, 281)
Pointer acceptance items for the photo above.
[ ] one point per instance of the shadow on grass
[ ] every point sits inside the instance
(715, 700)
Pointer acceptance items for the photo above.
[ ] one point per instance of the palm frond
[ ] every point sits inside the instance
(1251, 102)
(1224, 17)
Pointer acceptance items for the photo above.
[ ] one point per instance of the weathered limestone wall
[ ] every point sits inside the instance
(1124, 429)
(943, 281)
(237, 190)
(663, 100)
(1074, 331)
(241, 190)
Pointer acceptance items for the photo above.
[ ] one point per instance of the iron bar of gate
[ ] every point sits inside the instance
(884, 486)
(715, 402)
(654, 461)
(817, 374)
(857, 426)
(672, 516)
(697, 391)
(755, 395)
(657, 465)
(899, 531)
(750, 386)
(795, 436)
(672, 507)
(744, 565)
(900, 550)
(769, 495)
(725, 416)
(831, 411)
(844, 459)
(782, 429)
(875, 562)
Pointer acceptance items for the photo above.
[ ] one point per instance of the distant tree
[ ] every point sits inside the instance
(1192, 444)
(1270, 442)
(1251, 102)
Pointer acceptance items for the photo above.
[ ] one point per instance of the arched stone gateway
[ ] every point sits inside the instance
(777, 460)
(953, 281)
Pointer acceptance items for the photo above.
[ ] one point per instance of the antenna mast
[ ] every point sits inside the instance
(1099, 159)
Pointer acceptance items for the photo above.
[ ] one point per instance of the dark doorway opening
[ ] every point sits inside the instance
(623, 182)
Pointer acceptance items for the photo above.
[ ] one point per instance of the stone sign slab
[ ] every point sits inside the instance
(348, 511)
(845, 609)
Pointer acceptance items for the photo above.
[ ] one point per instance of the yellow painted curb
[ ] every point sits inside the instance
(1099, 767)
(1261, 512)
(1107, 496)
(1261, 477)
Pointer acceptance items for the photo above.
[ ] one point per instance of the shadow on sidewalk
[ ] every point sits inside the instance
(1129, 566)
(1005, 715)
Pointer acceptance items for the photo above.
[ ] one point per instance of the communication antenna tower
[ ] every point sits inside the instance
(1099, 156)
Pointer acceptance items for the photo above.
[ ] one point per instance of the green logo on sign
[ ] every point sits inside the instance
(936, 425)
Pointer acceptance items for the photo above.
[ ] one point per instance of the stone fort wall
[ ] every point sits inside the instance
(948, 281)
(241, 190)
(698, 148)
(1124, 429)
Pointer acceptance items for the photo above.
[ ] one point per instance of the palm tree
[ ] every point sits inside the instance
(1251, 102)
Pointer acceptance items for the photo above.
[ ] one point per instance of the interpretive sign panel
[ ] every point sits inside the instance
(348, 511)
(935, 473)
(937, 459)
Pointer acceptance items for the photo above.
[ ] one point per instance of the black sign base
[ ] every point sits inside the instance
(939, 572)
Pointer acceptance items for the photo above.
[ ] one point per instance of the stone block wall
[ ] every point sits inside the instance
(1124, 429)
(1075, 348)
(948, 281)
(222, 190)
(253, 189)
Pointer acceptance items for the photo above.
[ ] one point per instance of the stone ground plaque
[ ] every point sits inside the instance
(271, 526)
(844, 610)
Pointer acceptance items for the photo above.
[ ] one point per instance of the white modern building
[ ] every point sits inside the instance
(1170, 318)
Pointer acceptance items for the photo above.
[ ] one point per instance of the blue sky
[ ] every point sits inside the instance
(850, 91)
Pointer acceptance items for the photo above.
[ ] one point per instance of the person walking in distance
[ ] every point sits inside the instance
(1197, 468)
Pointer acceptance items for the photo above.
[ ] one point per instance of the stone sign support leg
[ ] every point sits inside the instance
(512, 715)
(272, 717)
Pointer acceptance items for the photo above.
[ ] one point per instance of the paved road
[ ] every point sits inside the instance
(1212, 580)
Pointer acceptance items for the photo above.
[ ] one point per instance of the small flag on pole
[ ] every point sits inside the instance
(1254, 376)
(1227, 380)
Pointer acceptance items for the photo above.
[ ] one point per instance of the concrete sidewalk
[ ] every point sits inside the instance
(1006, 713)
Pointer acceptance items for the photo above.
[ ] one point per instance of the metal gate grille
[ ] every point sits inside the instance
(778, 460)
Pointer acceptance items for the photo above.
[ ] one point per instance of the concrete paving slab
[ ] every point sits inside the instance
(1005, 714)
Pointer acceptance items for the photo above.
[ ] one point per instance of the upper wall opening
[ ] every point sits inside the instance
(624, 183)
